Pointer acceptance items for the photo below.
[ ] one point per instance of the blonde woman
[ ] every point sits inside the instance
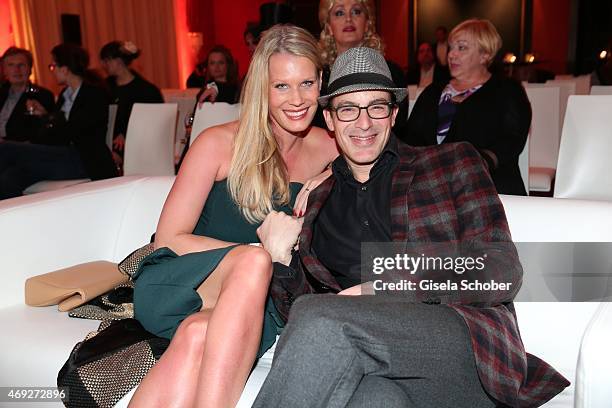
(352, 23)
(346, 24)
(201, 287)
(491, 112)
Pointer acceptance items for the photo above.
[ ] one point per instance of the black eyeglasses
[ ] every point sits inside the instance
(378, 110)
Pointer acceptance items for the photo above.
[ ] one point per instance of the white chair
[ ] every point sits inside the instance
(523, 163)
(49, 185)
(584, 168)
(544, 136)
(582, 82)
(149, 144)
(566, 89)
(170, 93)
(594, 361)
(110, 127)
(212, 114)
(185, 108)
(601, 90)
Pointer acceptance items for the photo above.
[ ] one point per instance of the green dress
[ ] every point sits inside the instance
(165, 284)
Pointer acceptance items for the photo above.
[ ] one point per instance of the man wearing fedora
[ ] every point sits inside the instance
(431, 349)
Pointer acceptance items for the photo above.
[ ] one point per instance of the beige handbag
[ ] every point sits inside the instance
(71, 287)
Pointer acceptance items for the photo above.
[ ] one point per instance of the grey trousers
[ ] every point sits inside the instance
(372, 351)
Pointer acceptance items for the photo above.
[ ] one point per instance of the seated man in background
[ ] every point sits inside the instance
(17, 123)
(72, 144)
(419, 348)
(427, 70)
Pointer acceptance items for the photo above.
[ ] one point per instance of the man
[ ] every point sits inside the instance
(441, 46)
(422, 348)
(16, 122)
(426, 70)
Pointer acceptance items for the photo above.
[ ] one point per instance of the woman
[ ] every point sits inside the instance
(346, 24)
(251, 37)
(233, 176)
(126, 87)
(221, 77)
(491, 112)
(72, 144)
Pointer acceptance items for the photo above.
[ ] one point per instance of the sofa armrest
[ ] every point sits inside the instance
(48, 231)
(595, 361)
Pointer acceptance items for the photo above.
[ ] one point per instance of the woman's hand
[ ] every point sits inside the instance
(278, 234)
(119, 143)
(301, 200)
(209, 94)
(35, 108)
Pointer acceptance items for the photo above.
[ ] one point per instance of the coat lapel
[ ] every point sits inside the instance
(400, 188)
(317, 198)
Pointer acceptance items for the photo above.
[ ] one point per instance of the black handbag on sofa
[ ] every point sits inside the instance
(109, 363)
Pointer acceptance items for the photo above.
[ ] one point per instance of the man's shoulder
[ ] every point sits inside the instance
(446, 153)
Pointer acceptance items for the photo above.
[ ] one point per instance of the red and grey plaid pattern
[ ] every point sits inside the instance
(444, 194)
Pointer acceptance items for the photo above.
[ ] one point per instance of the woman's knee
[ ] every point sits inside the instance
(190, 336)
(253, 268)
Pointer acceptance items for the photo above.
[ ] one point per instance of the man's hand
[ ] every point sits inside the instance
(35, 108)
(278, 234)
(362, 289)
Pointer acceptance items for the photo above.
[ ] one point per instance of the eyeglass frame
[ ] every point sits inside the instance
(390, 104)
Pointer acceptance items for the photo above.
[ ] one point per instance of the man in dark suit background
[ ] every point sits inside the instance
(16, 122)
(414, 348)
(72, 144)
(427, 70)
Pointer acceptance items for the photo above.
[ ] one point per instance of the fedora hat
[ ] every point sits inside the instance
(360, 69)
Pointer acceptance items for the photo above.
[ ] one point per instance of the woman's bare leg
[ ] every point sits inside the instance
(172, 381)
(243, 274)
(234, 332)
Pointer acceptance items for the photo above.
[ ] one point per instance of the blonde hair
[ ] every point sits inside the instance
(485, 33)
(258, 179)
(327, 43)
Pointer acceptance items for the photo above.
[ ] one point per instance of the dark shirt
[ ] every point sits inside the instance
(20, 126)
(139, 90)
(196, 80)
(363, 209)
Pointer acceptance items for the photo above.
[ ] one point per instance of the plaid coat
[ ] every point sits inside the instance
(444, 194)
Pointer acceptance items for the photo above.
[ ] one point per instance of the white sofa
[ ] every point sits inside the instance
(106, 220)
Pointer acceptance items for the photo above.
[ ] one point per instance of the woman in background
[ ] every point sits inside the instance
(491, 112)
(352, 23)
(126, 86)
(201, 287)
(221, 77)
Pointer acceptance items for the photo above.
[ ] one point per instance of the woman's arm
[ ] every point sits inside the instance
(207, 160)
(514, 126)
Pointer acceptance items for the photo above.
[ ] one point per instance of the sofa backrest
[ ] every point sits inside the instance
(565, 247)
